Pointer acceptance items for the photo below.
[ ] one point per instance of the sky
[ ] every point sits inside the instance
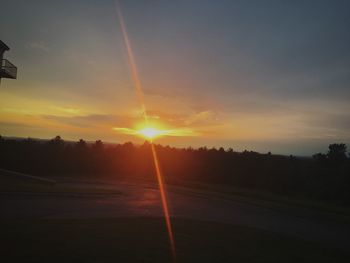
(256, 75)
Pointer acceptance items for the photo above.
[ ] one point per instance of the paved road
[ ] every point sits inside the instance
(136, 200)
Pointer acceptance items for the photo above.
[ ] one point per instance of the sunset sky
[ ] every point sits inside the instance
(257, 75)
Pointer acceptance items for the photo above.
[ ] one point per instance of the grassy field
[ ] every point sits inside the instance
(145, 240)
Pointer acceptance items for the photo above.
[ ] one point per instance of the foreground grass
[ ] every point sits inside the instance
(145, 240)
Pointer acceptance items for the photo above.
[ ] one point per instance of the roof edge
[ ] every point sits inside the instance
(3, 45)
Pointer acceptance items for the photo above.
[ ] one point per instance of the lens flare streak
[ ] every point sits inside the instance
(164, 201)
(132, 64)
(140, 95)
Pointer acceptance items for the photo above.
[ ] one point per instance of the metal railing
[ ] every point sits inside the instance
(7, 69)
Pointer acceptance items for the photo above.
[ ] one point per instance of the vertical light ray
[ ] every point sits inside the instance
(132, 64)
(164, 201)
(140, 95)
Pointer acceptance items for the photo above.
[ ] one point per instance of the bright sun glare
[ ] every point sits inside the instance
(150, 132)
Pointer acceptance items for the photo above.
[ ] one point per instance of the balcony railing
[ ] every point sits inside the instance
(8, 70)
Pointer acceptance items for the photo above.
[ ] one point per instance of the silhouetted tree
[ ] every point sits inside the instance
(337, 152)
(81, 145)
(98, 146)
(287, 175)
(321, 157)
(57, 141)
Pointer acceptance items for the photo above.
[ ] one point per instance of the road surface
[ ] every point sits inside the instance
(144, 200)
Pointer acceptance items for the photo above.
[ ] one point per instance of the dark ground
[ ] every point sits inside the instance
(90, 221)
(145, 240)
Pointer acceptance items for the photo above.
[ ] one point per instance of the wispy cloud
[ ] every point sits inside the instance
(5, 124)
(93, 120)
(39, 45)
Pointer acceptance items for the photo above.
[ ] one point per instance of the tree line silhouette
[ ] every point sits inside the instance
(323, 177)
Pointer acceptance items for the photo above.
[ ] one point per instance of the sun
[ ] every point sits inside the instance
(153, 132)
(150, 132)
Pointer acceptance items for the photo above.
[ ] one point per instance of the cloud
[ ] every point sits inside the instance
(200, 118)
(337, 123)
(42, 46)
(190, 119)
(86, 120)
(17, 125)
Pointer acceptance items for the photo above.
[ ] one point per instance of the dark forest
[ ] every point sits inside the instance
(322, 177)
